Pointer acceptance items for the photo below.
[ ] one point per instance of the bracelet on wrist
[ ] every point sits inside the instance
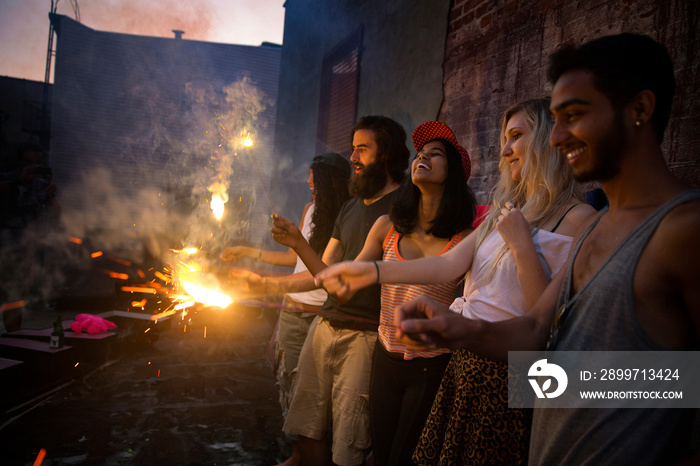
(376, 266)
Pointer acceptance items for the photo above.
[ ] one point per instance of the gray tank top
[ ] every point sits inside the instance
(601, 317)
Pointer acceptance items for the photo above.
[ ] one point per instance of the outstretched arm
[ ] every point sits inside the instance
(430, 324)
(434, 325)
(348, 277)
(254, 284)
(284, 258)
(372, 250)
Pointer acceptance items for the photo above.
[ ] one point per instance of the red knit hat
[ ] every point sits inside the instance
(431, 130)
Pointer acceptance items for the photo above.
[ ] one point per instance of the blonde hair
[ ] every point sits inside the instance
(547, 182)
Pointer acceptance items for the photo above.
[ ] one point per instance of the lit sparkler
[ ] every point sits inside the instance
(205, 296)
(219, 198)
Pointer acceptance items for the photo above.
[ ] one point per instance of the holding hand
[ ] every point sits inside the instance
(429, 324)
(513, 227)
(247, 281)
(234, 253)
(344, 279)
(285, 232)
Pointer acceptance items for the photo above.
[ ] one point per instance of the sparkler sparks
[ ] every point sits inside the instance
(246, 140)
(217, 204)
(203, 295)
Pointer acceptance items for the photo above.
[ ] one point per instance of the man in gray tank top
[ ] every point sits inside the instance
(631, 281)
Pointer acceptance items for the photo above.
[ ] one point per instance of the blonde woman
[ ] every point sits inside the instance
(509, 260)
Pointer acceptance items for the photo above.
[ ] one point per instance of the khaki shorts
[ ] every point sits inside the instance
(332, 390)
(291, 334)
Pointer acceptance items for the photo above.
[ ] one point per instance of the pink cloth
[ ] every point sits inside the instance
(91, 323)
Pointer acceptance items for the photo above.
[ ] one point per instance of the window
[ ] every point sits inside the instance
(340, 75)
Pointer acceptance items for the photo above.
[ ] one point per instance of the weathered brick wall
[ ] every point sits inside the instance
(497, 52)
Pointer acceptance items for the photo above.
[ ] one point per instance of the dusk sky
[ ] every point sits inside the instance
(24, 25)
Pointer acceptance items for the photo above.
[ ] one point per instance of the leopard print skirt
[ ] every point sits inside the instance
(470, 422)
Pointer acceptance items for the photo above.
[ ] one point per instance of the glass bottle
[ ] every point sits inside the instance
(56, 340)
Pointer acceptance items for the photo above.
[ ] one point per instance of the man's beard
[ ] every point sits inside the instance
(607, 153)
(368, 183)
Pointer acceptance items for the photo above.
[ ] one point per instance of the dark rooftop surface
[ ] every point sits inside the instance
(197, 391)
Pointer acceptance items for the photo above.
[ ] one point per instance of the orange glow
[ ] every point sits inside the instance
(184, 305)
(217, 205)
(141, 274)
(120, 276)
(202, 295)
(162, 277)
(14, 305)
(119, 261)
(139, 289)
(246, 140)
(40, 457)
(96, 254)
(75, 240)
(191, 267)
(141, 303)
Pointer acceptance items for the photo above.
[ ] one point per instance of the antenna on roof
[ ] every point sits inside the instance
(178, 33)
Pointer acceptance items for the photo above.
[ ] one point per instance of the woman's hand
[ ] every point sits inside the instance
(236, 252)
(513, 227)
(344, 279)
(285, 232)
(247, 281)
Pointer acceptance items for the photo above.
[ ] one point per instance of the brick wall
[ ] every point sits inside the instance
(497, 52)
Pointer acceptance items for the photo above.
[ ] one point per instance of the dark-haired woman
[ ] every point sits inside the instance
(329, 175)
(435, 210)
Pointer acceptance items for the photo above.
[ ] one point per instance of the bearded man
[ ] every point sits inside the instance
(329, 408)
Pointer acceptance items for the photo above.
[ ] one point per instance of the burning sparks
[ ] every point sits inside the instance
(139, 289)
(205, 296)
(246, 140)
(219, 197)
(119, 260)
(117, 275)
(96, 254)
(161, 276)
(184, 305)
(217, 204)
(40, 457)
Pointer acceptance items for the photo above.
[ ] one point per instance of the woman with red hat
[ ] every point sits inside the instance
(434, 211)
(509, 260)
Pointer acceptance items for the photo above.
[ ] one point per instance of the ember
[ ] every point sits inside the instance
(202, 295)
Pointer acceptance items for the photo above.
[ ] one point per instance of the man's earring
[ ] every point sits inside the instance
(638, 123)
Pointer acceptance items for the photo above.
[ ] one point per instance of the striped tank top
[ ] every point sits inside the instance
(396, 294)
